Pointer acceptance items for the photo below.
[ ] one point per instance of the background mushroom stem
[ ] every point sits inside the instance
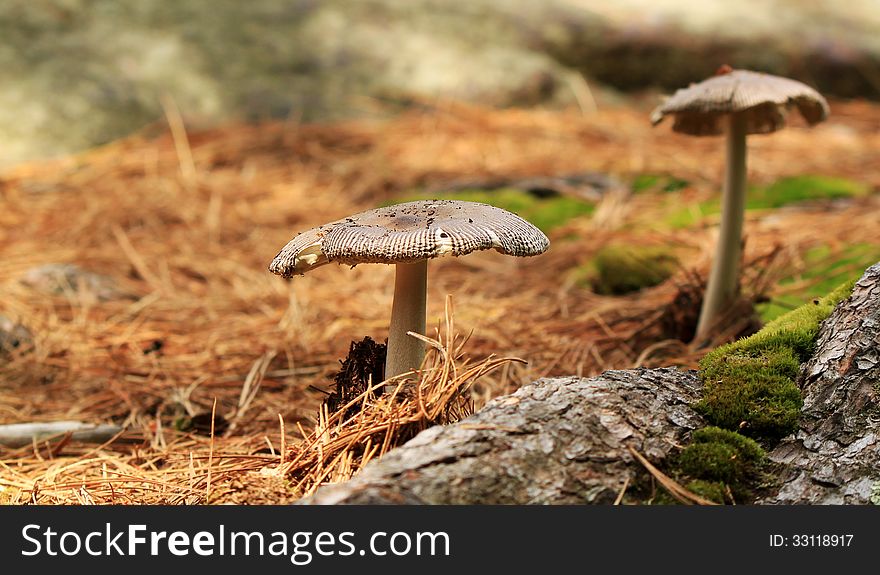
(724, 278)
(405, 352)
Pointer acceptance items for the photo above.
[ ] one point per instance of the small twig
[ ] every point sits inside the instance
(269, 443)
(283, 440)
(582, 93)
(22, 434)
(619, 497)
(135, 258)
(673, 488)
(646, 353)
(210, 453)
(250, 388)
(181, 140)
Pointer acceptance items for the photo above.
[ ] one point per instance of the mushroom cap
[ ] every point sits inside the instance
(410, 232)
(764, 98)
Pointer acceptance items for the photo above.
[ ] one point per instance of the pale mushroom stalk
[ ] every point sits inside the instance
(723, 282)
(407, 314)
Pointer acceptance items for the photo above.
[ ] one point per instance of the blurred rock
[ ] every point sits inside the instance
(58, 279)
(82, 72)
(13, 337)
(670, 43)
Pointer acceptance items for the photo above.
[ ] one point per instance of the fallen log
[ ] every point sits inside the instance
(554, 441)
(573, 440)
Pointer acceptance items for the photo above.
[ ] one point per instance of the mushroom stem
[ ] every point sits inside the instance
(724, 278)
(405, 352)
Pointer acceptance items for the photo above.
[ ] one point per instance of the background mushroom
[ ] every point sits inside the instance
(742, 102)
(408, 235)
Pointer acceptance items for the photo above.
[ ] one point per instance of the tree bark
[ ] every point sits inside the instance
(554, 441)
(835, 456)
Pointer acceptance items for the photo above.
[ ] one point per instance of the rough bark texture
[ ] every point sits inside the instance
(835, 457)
(554, 441)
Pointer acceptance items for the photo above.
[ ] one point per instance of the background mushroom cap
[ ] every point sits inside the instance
(699, 108)
(410, 232)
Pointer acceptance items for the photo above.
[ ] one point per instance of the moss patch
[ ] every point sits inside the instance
(801, 189)
(825, 270)
(545, 213)
(653, 182)
(711, 490)
(620, 269)
(750, 384)
(720, 464)
(778, 194)
(720, 455)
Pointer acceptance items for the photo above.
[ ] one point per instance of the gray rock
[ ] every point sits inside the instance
(58, 279)
(81, 72)
(84, 72)
(14, 337)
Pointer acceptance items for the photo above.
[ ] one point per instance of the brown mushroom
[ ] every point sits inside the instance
(739, 102)
(408, 235)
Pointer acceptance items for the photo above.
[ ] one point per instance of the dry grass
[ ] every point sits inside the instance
(185, 225)
(437, 395)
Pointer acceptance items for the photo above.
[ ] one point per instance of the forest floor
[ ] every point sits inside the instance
(173, 315)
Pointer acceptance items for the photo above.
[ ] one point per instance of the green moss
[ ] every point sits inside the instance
(825, 270)
(690, 215)
(750, 393)
(659, 497)
(711, 490)
(778, 194)
(764, 406)
(747, 450)
(545, 213)
(750, 384)
(652, 182)
(714, 461)
(801, 189)
(620, 269)
(720, 463)
(644, 183)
